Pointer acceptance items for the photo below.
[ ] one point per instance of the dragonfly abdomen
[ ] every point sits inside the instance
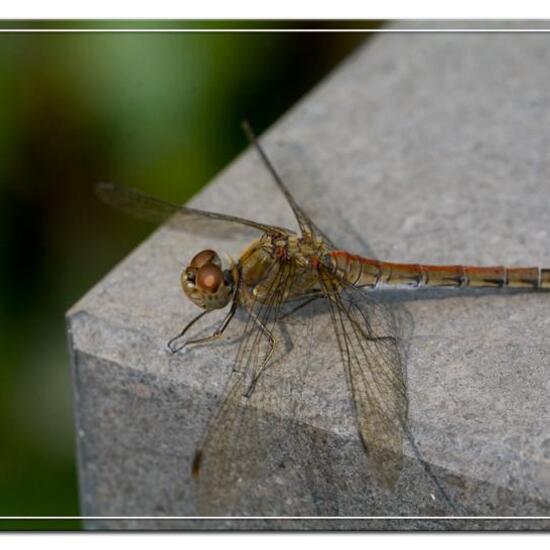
(374, 273)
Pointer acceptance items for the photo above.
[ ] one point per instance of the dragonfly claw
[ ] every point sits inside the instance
(173, 349)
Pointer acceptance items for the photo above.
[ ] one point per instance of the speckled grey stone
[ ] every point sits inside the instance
(433, 148)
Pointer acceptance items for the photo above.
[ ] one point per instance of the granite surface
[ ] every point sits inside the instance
(419, 148)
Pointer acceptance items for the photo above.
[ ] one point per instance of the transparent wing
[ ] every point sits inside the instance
(310, 187)
(238, 448)
(181, 218)
(307, 227)
(370, 347)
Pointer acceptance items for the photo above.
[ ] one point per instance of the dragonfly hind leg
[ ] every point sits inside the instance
(369, 335)
(308, 299)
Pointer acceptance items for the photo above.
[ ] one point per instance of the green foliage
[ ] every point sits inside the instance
(159, 112)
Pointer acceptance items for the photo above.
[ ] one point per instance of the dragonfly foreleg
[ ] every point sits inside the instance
(216, 334)
(272, 343)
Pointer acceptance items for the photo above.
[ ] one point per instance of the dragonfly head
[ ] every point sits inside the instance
(205, 283)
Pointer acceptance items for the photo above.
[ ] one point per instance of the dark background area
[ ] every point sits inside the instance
(160, 112)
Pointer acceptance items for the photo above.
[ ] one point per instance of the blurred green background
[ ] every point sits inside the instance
(159, 112)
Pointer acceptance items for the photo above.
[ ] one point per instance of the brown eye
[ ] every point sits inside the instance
(209, 278)
(203, 258)
(190, 275)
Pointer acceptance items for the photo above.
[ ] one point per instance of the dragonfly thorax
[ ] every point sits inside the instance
(205, 283)
(286, 262)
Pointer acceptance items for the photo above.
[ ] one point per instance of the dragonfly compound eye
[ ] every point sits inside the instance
(207, 286)
(205, 257)
(209, 278)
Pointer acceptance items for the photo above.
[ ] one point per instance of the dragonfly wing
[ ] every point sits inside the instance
(307, 226)
(224, 465)
(240, 445)
(181, 218)
(370, 348)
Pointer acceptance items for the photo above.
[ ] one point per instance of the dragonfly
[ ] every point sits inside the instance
(279, 273)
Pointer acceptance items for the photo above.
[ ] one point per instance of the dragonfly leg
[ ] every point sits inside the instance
(310, 297)
(216, 334)
(272, 343)
(369, 336)
(171, 342)
(369, 333)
